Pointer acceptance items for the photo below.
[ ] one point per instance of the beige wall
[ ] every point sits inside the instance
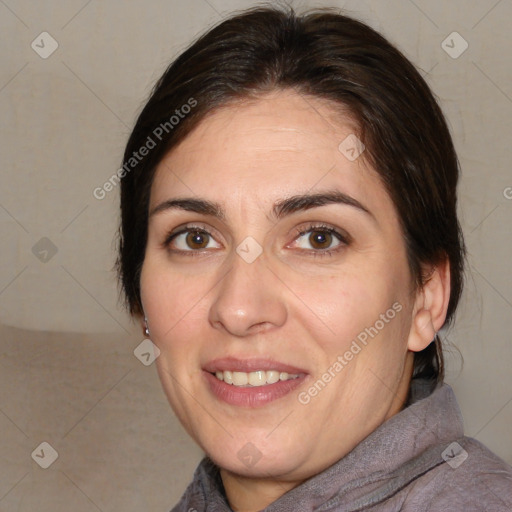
(64, 122)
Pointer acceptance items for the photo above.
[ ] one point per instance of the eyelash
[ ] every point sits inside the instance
(321, 228)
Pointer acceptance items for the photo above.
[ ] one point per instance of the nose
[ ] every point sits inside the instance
(248, 300)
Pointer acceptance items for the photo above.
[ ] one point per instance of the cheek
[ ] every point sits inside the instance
(349, 302)
(173, 303)
(368, 318)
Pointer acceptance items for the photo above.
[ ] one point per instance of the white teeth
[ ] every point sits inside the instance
(272, 377)
(257, 378)
(240, 379)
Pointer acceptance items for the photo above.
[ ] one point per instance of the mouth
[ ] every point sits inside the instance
(251, 382)
(254, 379)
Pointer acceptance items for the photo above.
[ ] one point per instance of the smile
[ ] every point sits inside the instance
(254, 379)
(251, 382)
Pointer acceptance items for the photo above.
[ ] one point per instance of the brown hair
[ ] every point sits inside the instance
(326, 55)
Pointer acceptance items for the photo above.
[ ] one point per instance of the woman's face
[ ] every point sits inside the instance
(277, 288)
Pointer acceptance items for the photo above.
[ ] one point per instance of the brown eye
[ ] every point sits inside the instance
(191, 240)
(320, 239)
(197, 239)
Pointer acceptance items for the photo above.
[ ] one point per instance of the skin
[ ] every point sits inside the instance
(287, 305)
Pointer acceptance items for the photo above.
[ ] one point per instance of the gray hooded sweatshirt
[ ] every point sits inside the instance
(417, 461)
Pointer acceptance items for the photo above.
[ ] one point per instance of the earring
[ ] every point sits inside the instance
(146, 328)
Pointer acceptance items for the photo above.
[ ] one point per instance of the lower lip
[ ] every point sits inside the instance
(251, 396)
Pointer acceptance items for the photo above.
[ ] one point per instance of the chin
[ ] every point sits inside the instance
(258, 458)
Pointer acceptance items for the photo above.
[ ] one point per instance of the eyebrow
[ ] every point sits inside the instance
(280, 208)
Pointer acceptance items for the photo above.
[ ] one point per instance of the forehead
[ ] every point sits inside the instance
(279, 145)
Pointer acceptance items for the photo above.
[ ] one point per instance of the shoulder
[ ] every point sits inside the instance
(474, 480)
(205, 488)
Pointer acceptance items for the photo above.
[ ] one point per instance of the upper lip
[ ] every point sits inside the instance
(249, 365)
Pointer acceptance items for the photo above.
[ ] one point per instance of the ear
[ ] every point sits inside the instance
(430, 307)
(142, 325)
(142, 320)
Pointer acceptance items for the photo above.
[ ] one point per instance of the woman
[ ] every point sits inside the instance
(290, 243)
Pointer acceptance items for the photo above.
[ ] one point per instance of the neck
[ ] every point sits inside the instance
(253, 494)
